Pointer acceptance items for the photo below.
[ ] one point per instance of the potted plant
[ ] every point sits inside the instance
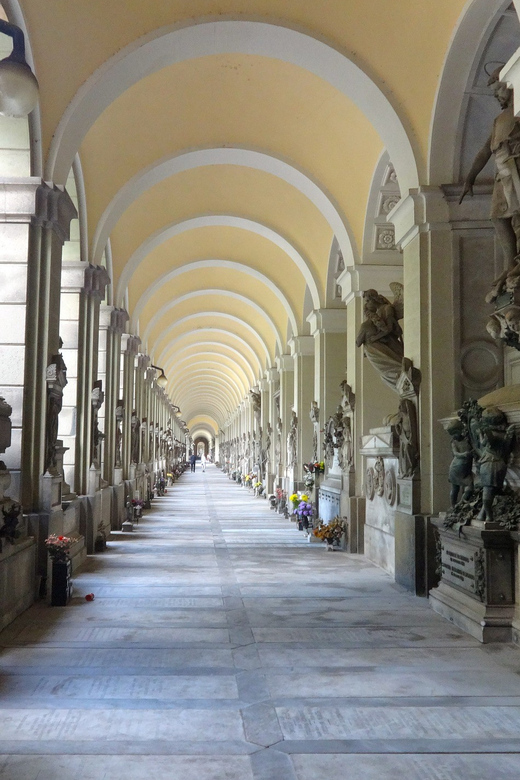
(332, 533)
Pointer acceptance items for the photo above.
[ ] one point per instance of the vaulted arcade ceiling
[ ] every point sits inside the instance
(224, 144)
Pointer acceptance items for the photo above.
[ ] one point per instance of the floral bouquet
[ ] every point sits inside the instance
(305, 511)
(258, 485)
(331, 532)
(58, 547)
(308, 480)
(295, 500)
(318, 467)
(137, 502)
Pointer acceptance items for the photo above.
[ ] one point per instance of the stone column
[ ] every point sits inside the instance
(285, 366)
(302, 350)
(129, 348)
(34, 223)
(329, 329)
(273, 382)
(93, 292)
(113, 423)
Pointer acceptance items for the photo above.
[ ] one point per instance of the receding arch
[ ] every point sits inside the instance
(202, 374)
(169, 45)
(170, 365)
(468, 37)
(196, 264)
(203, 314)
(203, 341)
(225, 294)
(247, 158)
(236, 371)
(160, 236)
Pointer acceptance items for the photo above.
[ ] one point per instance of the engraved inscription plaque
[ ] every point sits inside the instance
(458, 565)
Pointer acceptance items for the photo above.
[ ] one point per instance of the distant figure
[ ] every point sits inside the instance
(203, 461)
(193, 460)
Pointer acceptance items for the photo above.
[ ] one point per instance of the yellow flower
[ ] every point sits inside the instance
(294, 497)
(304, 497)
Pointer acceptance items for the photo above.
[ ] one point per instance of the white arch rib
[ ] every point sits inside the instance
(169, 350)
(247, 158)
(169, 45)
(197, 264)
(165, 234)
(201, 315)
(224, 293)
(215, 376)
(249, 371)
(223, 368)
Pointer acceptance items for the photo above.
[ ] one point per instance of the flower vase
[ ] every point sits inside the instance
(61, 583)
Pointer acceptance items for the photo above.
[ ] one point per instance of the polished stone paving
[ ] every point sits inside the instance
(221, 645)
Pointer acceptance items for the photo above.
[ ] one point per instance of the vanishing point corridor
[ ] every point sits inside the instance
(221, 645)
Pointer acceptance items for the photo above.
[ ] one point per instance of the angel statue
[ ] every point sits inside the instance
(381, 335)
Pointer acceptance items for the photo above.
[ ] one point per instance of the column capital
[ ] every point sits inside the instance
(54, 210)
(18, 198)
(130, 344)
(118, 320)
(328, 320)
(272, 375)
(284, 363)
(301, 345)
(96, 279)
(424, 210)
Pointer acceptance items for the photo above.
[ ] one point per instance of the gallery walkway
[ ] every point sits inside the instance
(222, 646)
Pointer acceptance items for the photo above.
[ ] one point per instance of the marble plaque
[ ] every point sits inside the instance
(458, 565)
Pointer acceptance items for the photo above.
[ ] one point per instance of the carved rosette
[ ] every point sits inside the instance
(390, 487)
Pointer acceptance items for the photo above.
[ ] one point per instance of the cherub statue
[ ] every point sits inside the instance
(461, 468)
(381, 335)
(495, 448)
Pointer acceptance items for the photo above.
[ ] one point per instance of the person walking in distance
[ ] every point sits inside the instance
(193, 459)
(203, 461)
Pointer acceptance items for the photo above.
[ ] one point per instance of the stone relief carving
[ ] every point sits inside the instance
(314, 414)
(96, 400)
(56, 378)
(381, 335)
(119, 435)
(292, 441)
(256, 402)
(390, 487)
(134, 437)
(278, 445)
(406, 428)
(379, 475)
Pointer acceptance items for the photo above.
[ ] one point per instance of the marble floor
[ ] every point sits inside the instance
(221, 645)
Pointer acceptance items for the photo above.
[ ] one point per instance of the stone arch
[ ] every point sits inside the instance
(248, 158)
(152, 289)
(172, 44)
(450, 113)
(201, 315)
(223, 293)
(219, 221)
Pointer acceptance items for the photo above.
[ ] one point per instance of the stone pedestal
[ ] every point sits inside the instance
(477, 579)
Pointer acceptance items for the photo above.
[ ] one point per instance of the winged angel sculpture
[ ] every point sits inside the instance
(381, 335)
